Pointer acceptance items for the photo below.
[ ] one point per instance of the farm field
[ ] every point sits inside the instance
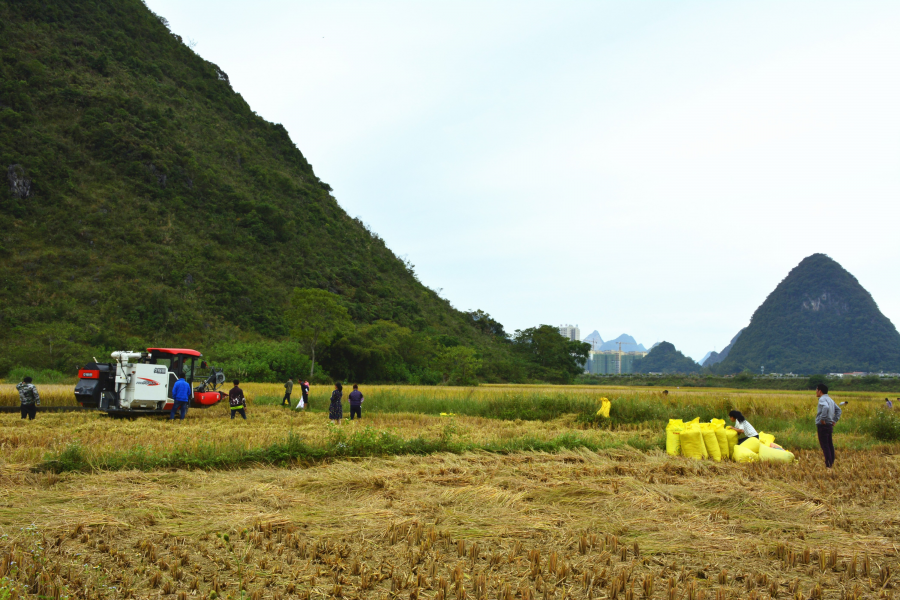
(408, 503)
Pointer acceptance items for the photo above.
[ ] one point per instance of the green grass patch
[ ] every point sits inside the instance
(367, 442)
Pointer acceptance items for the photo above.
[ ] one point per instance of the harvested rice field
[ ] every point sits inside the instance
(423, 506)
(574, 524)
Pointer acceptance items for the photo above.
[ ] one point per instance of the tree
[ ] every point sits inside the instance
(486, 324)
(815, 380)
(458, 365)
(550, 356)
(315, 316)
(380, 352)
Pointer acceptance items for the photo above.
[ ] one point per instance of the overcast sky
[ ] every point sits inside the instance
(651, 168)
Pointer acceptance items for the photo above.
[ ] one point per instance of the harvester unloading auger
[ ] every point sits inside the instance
(140, 383)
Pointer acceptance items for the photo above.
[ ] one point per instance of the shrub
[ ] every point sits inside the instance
(885, 426)
(40, 376)
(263, 362)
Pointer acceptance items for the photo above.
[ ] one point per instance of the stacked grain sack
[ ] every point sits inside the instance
(713, 440)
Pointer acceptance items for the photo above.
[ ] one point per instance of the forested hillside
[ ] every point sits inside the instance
(146, 203)
(665, 358)
(818, 320)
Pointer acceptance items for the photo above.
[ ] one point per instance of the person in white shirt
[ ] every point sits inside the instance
(827, 414)
(742, 426)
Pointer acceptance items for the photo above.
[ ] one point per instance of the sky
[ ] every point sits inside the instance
(650, 168)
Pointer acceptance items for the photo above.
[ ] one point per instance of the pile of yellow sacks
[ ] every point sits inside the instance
(713, 440)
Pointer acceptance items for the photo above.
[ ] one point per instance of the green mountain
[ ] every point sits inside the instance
(664, 358)
(146, 203)
(714, 358)
(818, 320)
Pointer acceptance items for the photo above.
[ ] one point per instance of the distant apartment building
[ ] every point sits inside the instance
(570, 332)
(612, 362)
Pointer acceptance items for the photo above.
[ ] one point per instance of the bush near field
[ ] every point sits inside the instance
(40, 376)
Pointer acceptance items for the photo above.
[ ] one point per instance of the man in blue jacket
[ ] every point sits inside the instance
(181, 394)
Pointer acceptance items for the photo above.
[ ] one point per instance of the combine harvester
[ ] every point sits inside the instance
(140, 383)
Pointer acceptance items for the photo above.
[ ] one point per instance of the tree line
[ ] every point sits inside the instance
(383, 351)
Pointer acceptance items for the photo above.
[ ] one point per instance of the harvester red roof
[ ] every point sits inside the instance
(187, 351)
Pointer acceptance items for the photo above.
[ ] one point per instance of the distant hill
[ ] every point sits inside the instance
(594, 340)
(819, 319)
(144, 202)
(714, 357)
(664, 358)
(629, 344)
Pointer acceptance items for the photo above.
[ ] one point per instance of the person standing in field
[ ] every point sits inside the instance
(181, 394)
(742, 426)
(237, 401)
(356, 400)
(336, 409)
(888, 404)
(827, 414)
(288, 388)
(304, 393)
(29, 398)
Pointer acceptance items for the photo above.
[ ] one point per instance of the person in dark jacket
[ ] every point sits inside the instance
(356, 400)
(336, 410)
(181, 394)
(304, 391)
(288, 388)
(28, 397)
(237, 401)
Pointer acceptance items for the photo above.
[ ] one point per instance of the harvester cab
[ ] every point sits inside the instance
(141, 382)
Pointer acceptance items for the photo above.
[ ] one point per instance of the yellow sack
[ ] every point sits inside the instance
(673, 442)
(767, 454)
(711, 442)
(695, 426)
(752, 444)
(718, 425)
(604, 408)
(745, 455)
(766, 438)
(673, 436)
(722, 439)
(692, 443)
(732, 436)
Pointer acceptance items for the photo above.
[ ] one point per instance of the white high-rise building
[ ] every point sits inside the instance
(570, 332)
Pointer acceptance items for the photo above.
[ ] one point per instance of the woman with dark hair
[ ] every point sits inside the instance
(336, 410)
(742, 426)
